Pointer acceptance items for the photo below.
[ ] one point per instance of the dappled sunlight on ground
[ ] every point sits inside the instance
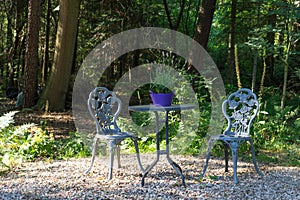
(66, 180)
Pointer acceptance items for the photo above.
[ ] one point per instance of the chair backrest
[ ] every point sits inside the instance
(240, 109)
(101, 104)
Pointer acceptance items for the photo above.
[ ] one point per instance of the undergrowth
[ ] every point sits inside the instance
(29, 142)
(275, 131)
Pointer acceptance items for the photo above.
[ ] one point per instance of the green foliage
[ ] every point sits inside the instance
(71, 146)
(163, 75)
(23, 142)
(33, 142)
(185, 133)
(162, 80)
(29, 142)
(136, 125)
(275, 131)
(280, 129)
(184, 136)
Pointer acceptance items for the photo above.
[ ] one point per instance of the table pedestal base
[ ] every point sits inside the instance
(166, 109)
(159, 152)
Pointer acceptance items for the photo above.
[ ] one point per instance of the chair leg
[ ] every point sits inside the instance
(118, 155)
(210, 145)
(95, 144)
(226, 156)
(111, 150)
(138, 154)
(234, 150)
(254, 159)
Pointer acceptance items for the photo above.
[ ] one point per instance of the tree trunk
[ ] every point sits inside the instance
(289, 30)
(270, 53)
(176, 26)
(255, 59)
(57, 87)
(231, 43)
(31, 54)
(45, 66)
(18, 38)
(262, 77)
(285, 78)
(205, 19)
(9, 44)
(254, 71)
(172, 26)
(237, 67)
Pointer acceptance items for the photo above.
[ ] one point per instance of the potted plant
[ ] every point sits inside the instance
(163, 79)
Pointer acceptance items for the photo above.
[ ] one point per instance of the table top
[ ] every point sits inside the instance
(152, 107)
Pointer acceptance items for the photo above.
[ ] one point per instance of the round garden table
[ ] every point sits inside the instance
(166, 109)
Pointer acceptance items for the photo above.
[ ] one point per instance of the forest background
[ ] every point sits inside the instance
(254, 44)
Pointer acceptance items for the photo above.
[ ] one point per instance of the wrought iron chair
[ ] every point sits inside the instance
(101, 103)
(240, 109)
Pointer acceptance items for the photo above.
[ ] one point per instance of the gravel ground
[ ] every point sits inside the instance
(66, 180)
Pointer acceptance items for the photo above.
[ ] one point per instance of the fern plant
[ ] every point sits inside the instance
(18, 143)
(7, 119)
(30, 141)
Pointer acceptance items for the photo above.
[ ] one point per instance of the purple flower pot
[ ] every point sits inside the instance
(162, 99)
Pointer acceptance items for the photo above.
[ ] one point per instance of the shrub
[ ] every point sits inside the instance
(29, 142)
(23, 142)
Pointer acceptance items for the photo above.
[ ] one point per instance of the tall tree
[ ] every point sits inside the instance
(57, 87)
(45, 65)
(9, 7)
(179, 17)
(205, 19)
(231, 42)
(255, 58)
(291, 15)
(270, 60)
(19, 38)
(31, 54)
